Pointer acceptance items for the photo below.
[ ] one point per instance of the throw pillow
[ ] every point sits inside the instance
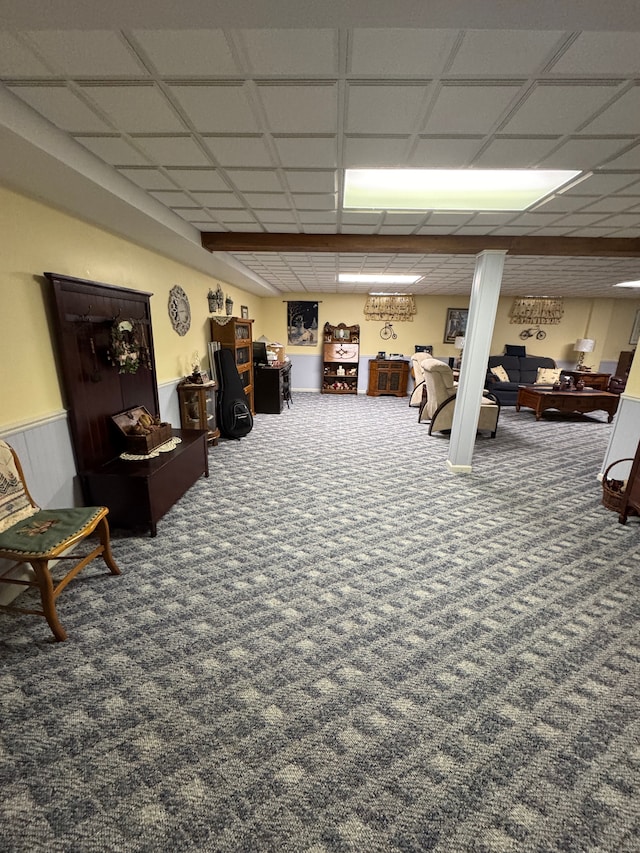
(512, 349)
(14, 504)
(500, 373)
(547, 375)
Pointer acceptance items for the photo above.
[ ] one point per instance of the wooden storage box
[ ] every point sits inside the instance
(139, 443)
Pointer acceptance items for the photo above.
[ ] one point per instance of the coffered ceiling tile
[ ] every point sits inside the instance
(136, 109)
(291, 52)
(469, 109)
(388, 53)
(558, 109)
(443, 153)
(256, 180)
(173, 151)
(583, 153)
(16, 60)
(502, 53)
(360, 151)
(623, 115)
(216, 109)
(198, 179)
(62, 107)
(596, 54)
(87, 53)
(188, 53)
(239, 150)
(113, 150)
(148, 179)
(384, 109)
(514, 153)
(307, 152)
(300, 109)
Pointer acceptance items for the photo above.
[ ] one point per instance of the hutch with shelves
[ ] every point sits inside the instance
(235, 334)
(198, 408)
(340, 358)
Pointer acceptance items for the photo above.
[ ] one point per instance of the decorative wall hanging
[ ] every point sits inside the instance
(179, 310)
(216, 300)
(456, 324)
(390, 307)
(302, 324)
(536, 310)
(228, 304)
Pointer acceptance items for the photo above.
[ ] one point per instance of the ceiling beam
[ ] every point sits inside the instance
(602, 247)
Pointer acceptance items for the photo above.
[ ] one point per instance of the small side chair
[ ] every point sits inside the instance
(35, 537)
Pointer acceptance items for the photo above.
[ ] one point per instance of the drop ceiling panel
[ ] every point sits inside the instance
(300, 109)
(444, 153)
(256, 180)
(87, 53)
(62, 107)
(507, 53)
(307, 152)
(188, 53)
(629, 160)
(624, 115)
(595, 54)
(368, 152)
(198, 179)
(514, 153)
(377, 109)
(173, 151)
(136, 109)
(216, 109)
(113, 150)
(291, 52)
(469, 109)
(239, 150)
(400, 52)
(148, 179)
(583, 153)
(311, 181)
(558, 109)
(17, 60)
(218, 200)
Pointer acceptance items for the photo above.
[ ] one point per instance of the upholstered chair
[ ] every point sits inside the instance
(439, 402)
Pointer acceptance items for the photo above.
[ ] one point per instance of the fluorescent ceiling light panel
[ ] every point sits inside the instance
(628, 284)
(450, 189)
(383, 278)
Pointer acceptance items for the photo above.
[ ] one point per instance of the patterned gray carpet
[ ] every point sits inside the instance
(336, 645)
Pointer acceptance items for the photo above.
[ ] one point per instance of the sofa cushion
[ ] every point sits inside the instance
(511, 364)
(500, 373)
(513, 349)
(547, 375)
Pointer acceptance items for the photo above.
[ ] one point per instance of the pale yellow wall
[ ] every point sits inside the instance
(38, 239)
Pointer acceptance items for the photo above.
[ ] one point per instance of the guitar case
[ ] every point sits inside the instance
(234, 415)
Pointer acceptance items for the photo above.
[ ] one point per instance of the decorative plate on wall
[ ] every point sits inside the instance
(179, 310)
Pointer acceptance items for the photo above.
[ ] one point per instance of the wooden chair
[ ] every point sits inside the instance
(34, 537)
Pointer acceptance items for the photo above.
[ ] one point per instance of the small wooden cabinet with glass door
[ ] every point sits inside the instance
(198, 408)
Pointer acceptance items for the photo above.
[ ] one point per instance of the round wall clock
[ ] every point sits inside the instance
(179, 310)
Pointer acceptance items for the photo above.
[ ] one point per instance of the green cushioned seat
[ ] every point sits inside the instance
(46, 530)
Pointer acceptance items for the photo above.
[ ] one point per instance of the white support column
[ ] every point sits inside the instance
(485, 291)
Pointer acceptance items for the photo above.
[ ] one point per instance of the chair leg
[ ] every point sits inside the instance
(105, 541)
(45, 584)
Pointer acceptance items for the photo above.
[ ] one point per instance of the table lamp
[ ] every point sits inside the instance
(583, 345)
(459, 344)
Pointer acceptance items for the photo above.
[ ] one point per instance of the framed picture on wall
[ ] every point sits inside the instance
(244, 312)
(635, 332)
(456, 324)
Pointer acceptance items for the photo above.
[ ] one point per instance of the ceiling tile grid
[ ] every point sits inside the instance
(250, 130)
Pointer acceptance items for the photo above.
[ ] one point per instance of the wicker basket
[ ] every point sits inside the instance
(613, 498)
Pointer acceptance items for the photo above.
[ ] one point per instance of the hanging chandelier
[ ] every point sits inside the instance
(536, 310)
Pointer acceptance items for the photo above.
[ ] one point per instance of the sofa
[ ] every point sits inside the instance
(521, 370)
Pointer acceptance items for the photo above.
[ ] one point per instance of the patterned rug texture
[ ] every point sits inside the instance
(334, 644)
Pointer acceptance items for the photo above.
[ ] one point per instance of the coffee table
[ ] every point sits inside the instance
(541, 399)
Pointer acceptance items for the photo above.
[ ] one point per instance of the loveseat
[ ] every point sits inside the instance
(521, 370)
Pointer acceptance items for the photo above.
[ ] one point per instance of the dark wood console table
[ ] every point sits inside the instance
(139, 492)
(388, 376)
(272, 388)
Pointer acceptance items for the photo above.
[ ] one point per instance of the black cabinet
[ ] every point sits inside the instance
(272, 388)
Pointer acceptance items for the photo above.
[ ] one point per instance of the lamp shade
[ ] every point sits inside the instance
(459, 342)
(584, 345)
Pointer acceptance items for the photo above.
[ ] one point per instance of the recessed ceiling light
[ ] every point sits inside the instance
(450, 189)
(383, 278)
(628, 284)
